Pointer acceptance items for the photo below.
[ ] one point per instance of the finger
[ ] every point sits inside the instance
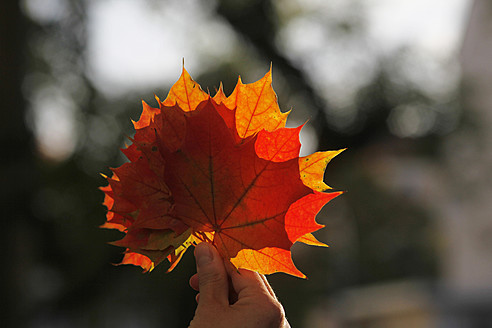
(212, 276)
(243, 280)
(195, 285)
(268, 286)
(233, 296)
(194, 282)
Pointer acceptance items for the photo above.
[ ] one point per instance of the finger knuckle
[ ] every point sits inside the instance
(210, 278)
(274, 311)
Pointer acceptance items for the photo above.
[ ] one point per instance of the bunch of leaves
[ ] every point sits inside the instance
(223, 170)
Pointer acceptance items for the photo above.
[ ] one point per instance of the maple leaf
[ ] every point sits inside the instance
(223, 170)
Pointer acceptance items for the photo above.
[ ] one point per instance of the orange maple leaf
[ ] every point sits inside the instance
(223, 170)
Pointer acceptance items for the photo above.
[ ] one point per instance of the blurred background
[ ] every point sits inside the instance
(405, 85)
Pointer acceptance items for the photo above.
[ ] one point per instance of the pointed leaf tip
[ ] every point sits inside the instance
(186, 93)
(256, 107)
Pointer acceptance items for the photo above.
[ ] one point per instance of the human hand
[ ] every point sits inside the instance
(229, 298)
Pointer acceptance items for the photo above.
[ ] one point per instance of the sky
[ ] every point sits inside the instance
(133, 45)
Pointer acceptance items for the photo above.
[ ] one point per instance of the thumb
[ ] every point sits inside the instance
(212, 276)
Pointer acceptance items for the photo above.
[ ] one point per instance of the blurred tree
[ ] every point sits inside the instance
(17, 176)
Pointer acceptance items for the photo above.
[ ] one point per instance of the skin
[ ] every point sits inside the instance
(231, 298)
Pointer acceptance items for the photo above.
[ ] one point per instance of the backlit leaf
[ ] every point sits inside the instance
(223, 170)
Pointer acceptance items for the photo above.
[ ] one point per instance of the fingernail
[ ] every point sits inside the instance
(203, 254)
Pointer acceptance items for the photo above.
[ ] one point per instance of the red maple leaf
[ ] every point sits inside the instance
(223, 170)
